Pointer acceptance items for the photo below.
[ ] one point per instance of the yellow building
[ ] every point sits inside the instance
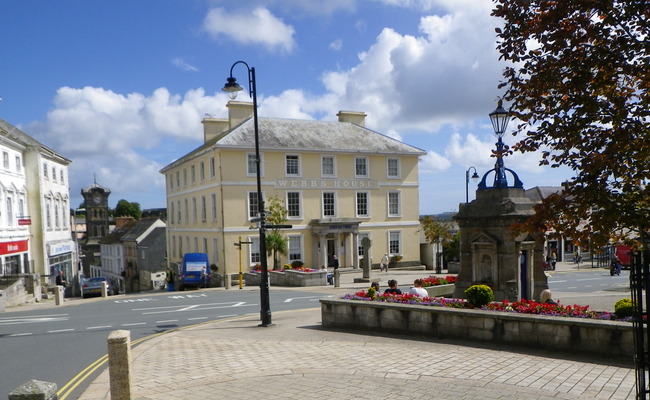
(339, 181)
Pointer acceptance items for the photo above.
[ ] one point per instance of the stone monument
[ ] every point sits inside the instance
(490, 252)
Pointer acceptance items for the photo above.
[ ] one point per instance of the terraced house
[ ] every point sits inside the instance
(339, 181)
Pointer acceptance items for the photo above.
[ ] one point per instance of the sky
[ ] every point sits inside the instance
(120, 87)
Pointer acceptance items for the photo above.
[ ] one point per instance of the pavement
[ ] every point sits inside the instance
(234, 358)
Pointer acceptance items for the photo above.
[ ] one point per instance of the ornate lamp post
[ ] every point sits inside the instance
(499, 118)
(474, 178)
(232, 87)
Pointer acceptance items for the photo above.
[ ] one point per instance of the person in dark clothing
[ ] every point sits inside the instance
(335, 262)
(392, 288)
(60, 279)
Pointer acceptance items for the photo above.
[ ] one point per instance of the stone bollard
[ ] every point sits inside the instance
(104, 289)
(34, 390)
(58, 295)
(337, 278)
(119, 364)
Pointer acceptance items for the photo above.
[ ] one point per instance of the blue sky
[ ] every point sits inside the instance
(120, 86)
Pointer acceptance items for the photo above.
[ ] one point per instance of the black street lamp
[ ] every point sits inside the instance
(474, 178)
(232, 87)
(500, 118)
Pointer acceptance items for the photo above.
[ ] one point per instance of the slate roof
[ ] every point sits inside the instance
(154, 235)
(330, 136)
(138, 229)
(304, 135)
(116, 234)
(538, 193)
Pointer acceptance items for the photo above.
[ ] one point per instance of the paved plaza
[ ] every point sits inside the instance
(296, 358)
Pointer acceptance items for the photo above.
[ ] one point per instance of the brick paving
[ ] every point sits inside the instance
(235, 359)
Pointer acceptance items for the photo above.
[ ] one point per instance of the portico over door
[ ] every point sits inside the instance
(336, 236)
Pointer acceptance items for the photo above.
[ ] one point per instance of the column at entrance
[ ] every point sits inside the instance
(322, 256)
(344, 234)
(355, 250)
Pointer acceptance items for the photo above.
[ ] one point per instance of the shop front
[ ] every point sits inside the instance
(14, 257)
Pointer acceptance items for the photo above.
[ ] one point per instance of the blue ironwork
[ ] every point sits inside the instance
(499, 118)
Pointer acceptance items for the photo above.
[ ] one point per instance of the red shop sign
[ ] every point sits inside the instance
(13, 247)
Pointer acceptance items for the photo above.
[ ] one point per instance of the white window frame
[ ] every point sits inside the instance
(213, 200)
(322, 165)
(251, 167)
(398, 166)
(367, 205)
(252, 195)
(333, 205)
(289, 216)
(254, 251)
(213, 169)
(366, 163)
(204, 209)
(10, 210)
(292, 254)
(298, 165)
(394, 236)
(389, 203)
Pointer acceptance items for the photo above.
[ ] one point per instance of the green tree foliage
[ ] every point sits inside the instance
(435, 231)
(579, 84)
(276, 243)
(126, 208)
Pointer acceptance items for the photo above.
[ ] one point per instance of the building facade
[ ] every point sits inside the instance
(339, 182)
(35, 224)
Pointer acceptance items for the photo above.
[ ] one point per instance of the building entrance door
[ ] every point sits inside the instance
(331, 251)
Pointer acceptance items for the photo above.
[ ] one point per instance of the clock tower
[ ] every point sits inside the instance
(96, 200)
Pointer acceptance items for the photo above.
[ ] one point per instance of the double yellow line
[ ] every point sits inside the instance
(78, 379)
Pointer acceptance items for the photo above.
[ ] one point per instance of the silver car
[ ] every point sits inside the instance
(93, 287)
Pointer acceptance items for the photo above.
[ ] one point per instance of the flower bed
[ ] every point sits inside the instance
(521, 307)
(519, 324)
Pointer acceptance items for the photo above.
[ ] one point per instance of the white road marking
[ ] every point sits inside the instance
(193, 307)
(61, 330)
(99, 327)
(20, 334)
(33, 319)
(289, 300)
(135, 323)
(167, 321)
(194, 319)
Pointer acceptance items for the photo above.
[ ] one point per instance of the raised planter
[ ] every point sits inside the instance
(299, 278)
(288, 278)
(440, 290)
(609, 339)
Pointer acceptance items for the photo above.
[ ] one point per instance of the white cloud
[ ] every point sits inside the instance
(180, 63)
(433, 162)
(336, 45)
(258, 26)
(124, 138)
(446, 75)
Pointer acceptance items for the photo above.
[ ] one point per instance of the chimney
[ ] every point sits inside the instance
(238, 112)
(122, 221)
(355, 117)
(212, 127)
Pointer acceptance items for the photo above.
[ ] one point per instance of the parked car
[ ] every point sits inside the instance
(93, 287)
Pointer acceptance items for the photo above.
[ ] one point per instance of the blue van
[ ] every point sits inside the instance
(194, 271)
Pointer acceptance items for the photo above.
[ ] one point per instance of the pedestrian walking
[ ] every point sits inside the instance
(383, 265)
